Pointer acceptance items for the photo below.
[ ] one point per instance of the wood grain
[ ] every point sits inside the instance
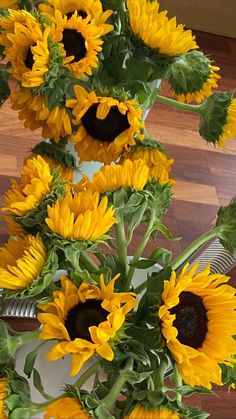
(205, 176)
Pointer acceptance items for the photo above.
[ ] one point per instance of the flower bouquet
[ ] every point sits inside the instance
(83, 72)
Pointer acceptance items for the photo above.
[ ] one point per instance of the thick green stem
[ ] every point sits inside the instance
(179, 105)
(140, 249)
(87, 374)
(193, 247)
(121, 240)
(88, 262)
(177, 382)
(109, 401)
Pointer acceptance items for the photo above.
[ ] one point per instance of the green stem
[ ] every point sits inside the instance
(193, 247)
(88, 262)
(140, 249)
(177, 382)
(109, 401)
(87, 374)
(179, 105)
(121, 240)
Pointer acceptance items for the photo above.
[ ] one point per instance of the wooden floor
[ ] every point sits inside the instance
(205, 176)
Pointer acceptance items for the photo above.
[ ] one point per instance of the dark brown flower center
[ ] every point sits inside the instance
(107, 129)
(74, 44)
(191, 319)
(29, 59)
(82, 316)
(80, 13)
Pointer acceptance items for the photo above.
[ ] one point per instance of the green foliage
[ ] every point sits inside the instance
(158, 255)
(229, 375)
(56, 152)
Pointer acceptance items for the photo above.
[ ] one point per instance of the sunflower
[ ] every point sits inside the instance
(84, 320)
(140, 412)
(90, 9)
(131, 174)
(33, 110)
(198, 320)
(3, 395)
(65, 173)
(155, 158)
(26, 48)
(218, 118)
(36, 184)
(9, 4)
(22, 261)
(107, 126)
(192, 77)
(156, 30)
(66, 408)
(79, 41)
(13, 228)
(81, 216)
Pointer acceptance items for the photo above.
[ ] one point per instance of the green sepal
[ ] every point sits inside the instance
(188, 72)
(229, 374)
(56, 152)
(159, 197)
(4, 88)
(39, 287)
(33, 221)
(165, 231)
(30, 360)
(213, 116)
(194, 413)
(6, 348)
(226, 226)
(186, 391)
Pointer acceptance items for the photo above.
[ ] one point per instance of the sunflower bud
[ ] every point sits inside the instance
(226, 224)
(192, 77)
(218, 118)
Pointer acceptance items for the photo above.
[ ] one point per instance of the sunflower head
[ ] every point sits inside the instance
(91, 10)
(80, 43)
(9, 4)
(3, 395)
(81, 216)
(84, 320)
(26, 268)
(192, 77)
(218, 118)
(107, 126)
(155, 157)
(140, 411)
(156, 30)
(197, 335)
(26, 48)
(66, 407)
(129, 174)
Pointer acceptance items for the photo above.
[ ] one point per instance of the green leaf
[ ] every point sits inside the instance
(158, 255)
(155, 397)
(4, 88)
(21, 412)
(30, 361)
(165, 231)
(188, 390)
(193, 413)
(37, 382)
(156, 280)
(143, 334)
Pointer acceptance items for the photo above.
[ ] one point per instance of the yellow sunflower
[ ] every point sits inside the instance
(36, 184)
(218, 118)
(22, 261)
(66, 408)
(79, 41)
(84, 320)
(198, 318)
(157, 161)
(206, 90)
(131, 174)
(66, 173)
(26, 48)
(8, 4)
(81, 216)
(107, 126)
(156, 30)
(13, 228)
(140, 412)
(3, 394)
(91, 9)
(33, 110)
